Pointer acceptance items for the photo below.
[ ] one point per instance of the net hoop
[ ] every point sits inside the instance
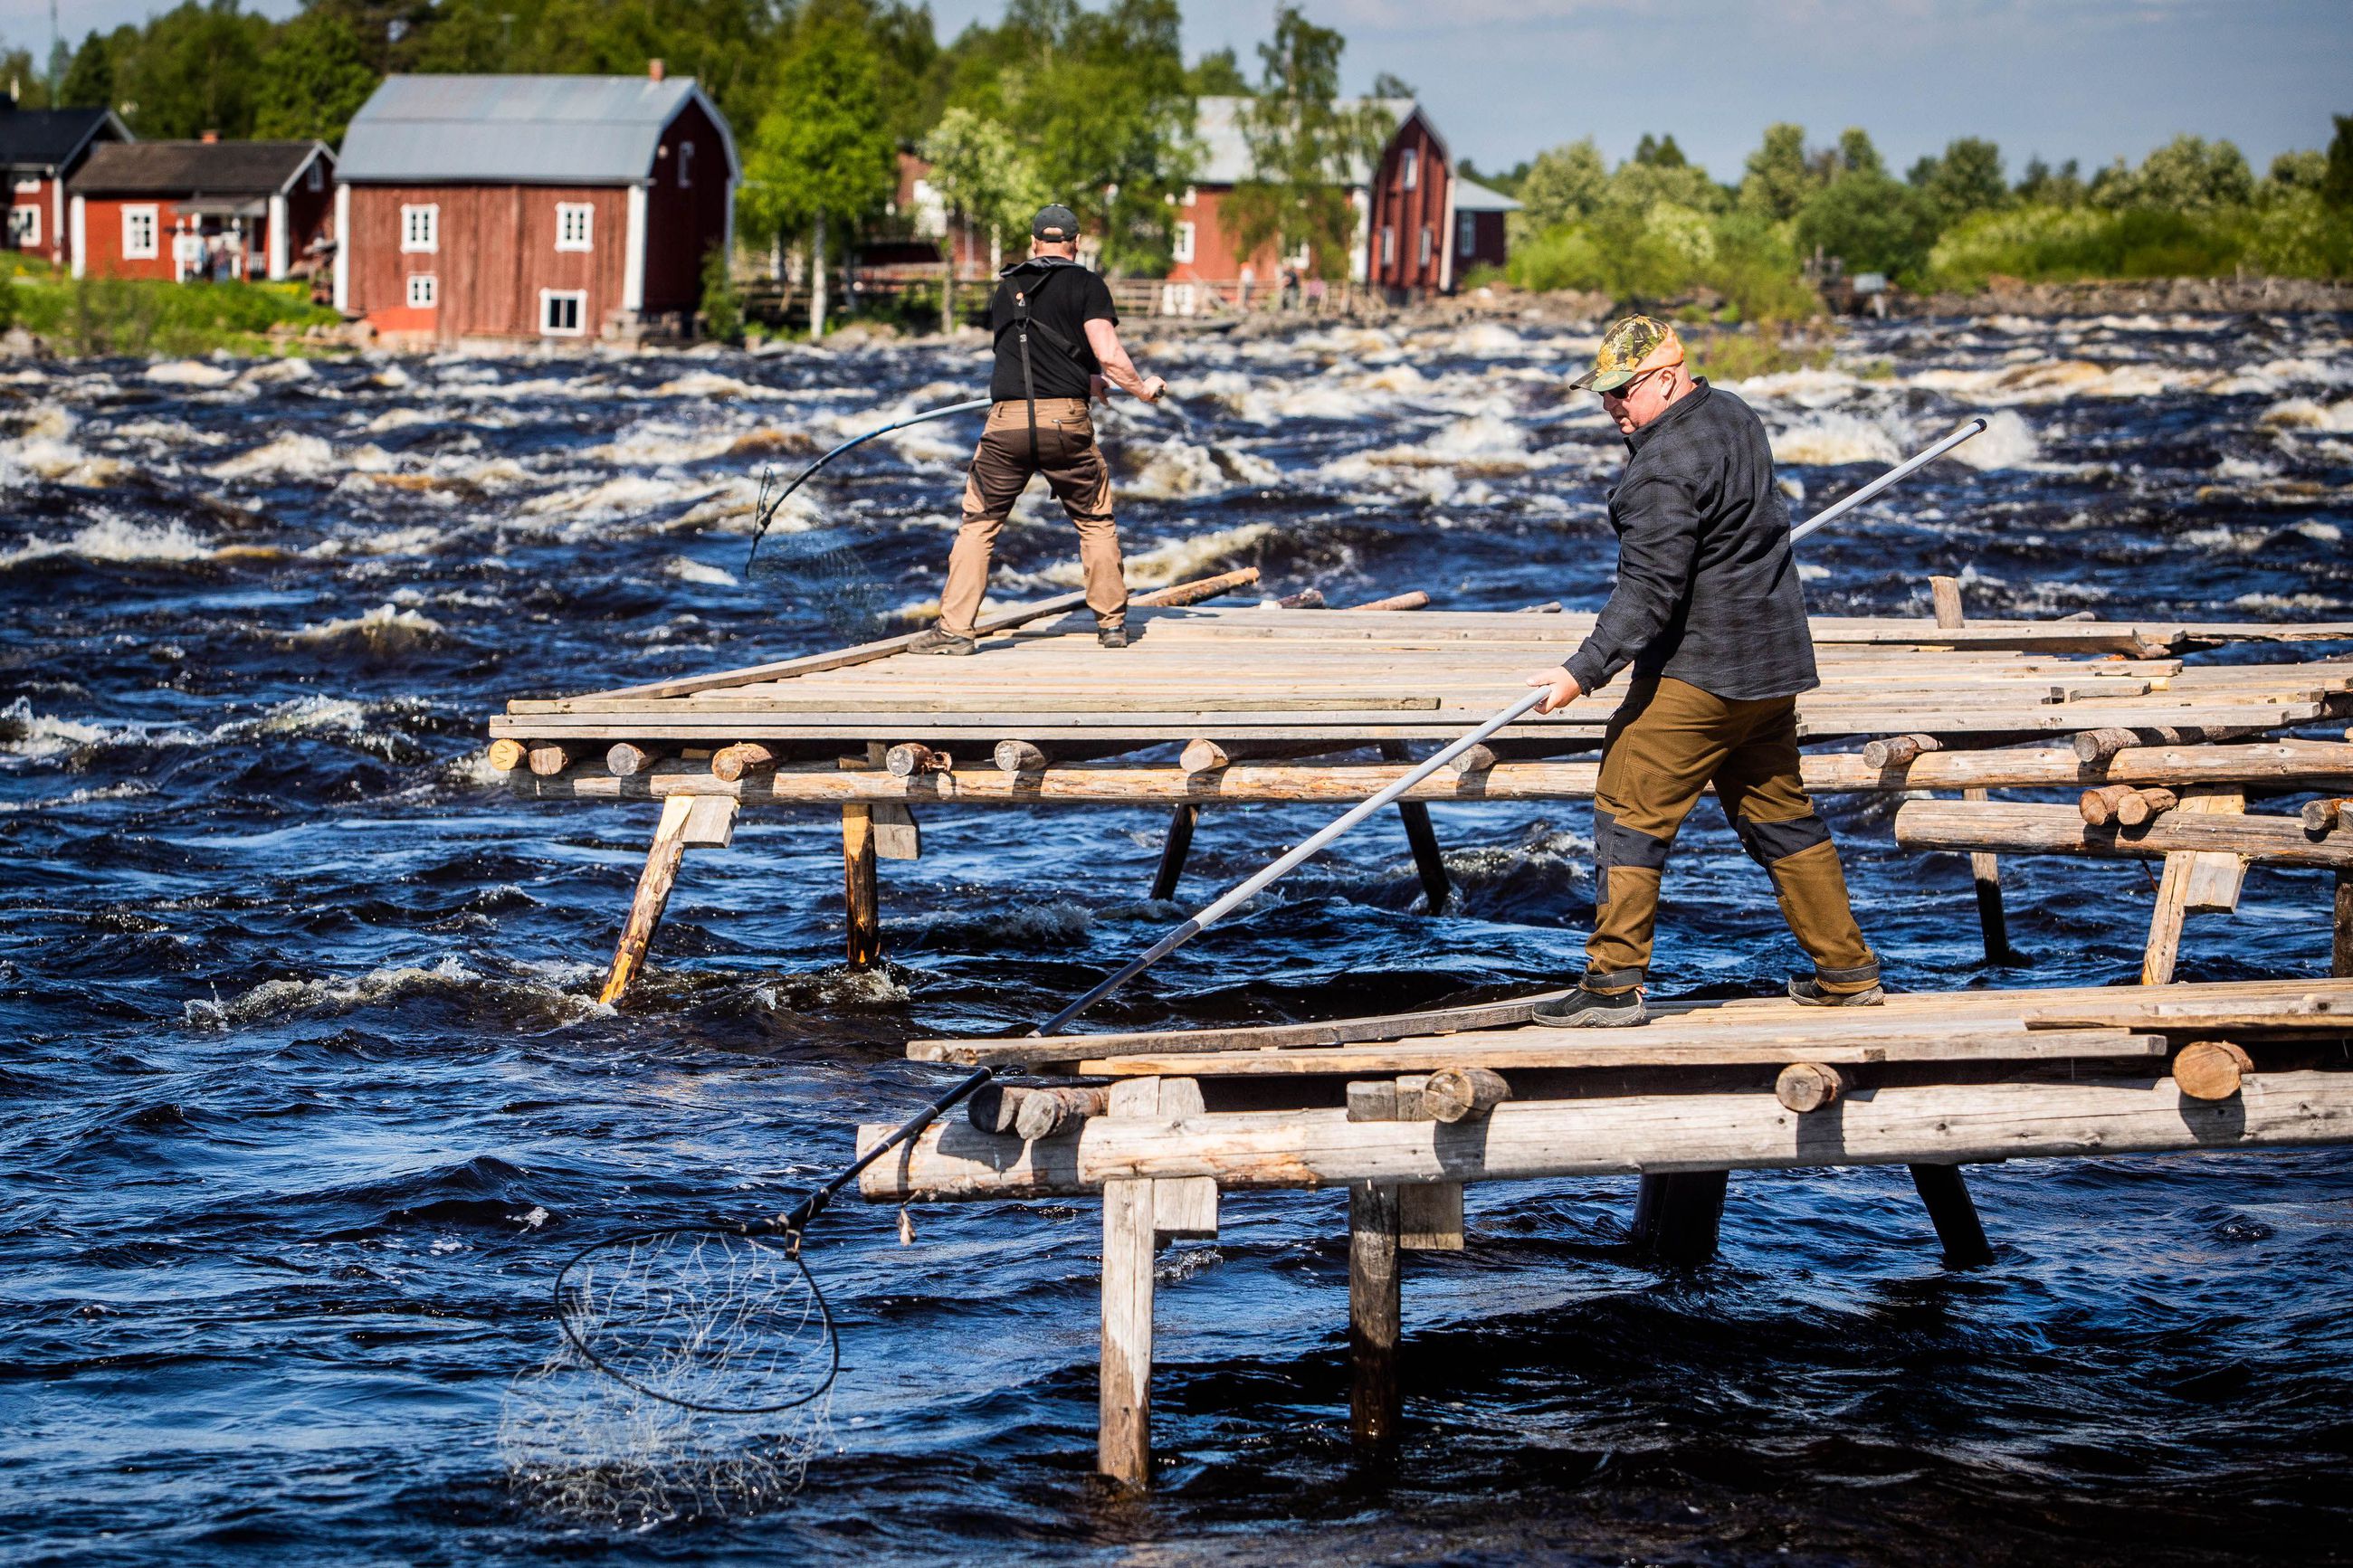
(565, 1318)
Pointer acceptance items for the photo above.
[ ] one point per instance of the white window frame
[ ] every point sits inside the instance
(420, 228)
(25, 226)
(565, 212)
(1181, 249)
(1428, 246)
(426, 284)
(548, 296)
(685, 164)
(314, 178)
(1389, 244)
(1192, 195)
(1466, 234)
(1410, 164)
(29, 187)
(150, 248)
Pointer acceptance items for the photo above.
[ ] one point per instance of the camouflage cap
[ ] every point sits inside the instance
(1630, 347)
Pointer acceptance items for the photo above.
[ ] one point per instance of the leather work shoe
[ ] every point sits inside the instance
(1583, 1009)
(937, 640)
(1111, 636)
(1807, 992)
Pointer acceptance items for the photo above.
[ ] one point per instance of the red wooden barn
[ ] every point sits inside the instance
(209, 209)
(532, 207)
(40, 149)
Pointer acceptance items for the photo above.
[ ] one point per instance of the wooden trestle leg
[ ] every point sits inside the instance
(1963, 1235)
(1429, 863)
(1677, 1214)
(1125, 1444)
(861, 889)
(1985, 870)
(2341, 958)
(1374, 1311)
(687, 821)
(1178, 845)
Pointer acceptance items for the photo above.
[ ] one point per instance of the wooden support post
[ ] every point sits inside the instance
(1955, 1217)
(1173, 849)
(862, 888)
(1123, 1449)
(653, 896)
(1677, 1214)
(2192, 880)
(1429, 862)
(2341, 962)
(1374, 1311)
(1985, 870)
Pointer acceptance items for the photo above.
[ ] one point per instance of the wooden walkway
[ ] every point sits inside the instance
(1404, 1111)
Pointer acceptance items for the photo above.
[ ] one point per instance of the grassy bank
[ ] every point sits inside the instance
(138, 316)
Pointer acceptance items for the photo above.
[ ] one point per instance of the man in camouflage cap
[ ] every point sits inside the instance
(1708, 611)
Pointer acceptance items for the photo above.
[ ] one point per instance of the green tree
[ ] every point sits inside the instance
(1303, 144)
(90, 80)
(195, 69)
(2337, 185)
(1857, 155)
(314, 77)
(2041, 185)
(822, 154)
(981, 172)
(1966, 179)
(1218, 74)
(1566, 185)
(1872, 223)
(1660, 152)
(2304, 170)
(1778, 180)
(2188, 174)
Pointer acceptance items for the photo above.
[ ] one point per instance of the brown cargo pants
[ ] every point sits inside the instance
(1668, 740)
(1001, 469)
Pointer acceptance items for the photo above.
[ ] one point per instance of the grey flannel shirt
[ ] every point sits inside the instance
(1707, 587)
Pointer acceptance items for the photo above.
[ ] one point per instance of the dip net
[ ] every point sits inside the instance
(817, 567)
(694, 1380)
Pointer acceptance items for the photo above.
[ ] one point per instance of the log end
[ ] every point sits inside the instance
(505, 756)
(1803, 1087)
(2210, 1069)
(1464, 1094)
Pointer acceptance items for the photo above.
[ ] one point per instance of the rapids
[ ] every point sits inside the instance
(307, 1092)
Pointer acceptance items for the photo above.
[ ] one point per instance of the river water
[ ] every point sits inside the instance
(306, 1091)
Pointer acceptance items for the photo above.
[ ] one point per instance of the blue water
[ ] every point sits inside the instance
(306, 1094)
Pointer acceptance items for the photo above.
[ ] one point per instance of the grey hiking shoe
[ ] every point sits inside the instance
(1807, 992)
(938, 640)
(1111, 636)
(1583, 1009)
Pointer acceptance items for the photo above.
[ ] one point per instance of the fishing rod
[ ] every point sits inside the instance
(655, 1313)
(767, 508)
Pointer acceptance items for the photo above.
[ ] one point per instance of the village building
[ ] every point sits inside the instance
(205, 210)
(40, 150)
(1419, 227)
(532, 206)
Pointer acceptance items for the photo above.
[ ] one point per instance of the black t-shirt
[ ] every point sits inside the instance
(1063, 296)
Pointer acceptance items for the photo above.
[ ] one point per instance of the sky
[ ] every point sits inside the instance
(1502, 80)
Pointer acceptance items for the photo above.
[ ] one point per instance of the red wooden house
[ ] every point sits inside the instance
(532, 207)
(183, 211)
(40, 150)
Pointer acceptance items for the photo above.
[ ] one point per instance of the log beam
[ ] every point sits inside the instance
(2061, 830)
(1954, 1214)
(862, 886)
(1123, 1446)
(1678, 1214)
(1429, 860)
(2341, 943)
(652, 897)
(1933, 1124)
(1174, 851)
(1375, 1313)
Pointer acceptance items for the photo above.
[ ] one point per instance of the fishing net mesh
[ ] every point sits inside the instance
(695, 1381)
(816, 568)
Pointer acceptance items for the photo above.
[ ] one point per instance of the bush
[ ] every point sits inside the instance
(723, 308)
(1872, 223)
(129, 316)
(1667, 252)
(2068, 245)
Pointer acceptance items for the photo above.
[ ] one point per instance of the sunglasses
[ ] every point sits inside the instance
(1625, 393)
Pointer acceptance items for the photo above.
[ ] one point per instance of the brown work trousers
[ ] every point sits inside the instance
(1001, 469)
(1667, 743)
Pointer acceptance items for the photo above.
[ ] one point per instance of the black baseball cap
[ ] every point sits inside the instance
(1055, 223)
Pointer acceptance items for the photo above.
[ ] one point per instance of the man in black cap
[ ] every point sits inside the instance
(1057, 344)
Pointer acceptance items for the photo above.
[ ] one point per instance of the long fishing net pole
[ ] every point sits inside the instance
(767, 507)
(721, 1317)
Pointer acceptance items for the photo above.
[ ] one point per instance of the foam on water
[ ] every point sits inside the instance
(115, 539)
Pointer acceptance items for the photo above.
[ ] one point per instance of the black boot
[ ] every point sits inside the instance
(1583, 1009)
(941, 640)
(1807, 992)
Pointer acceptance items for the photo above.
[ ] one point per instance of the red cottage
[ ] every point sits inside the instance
(41, 149)
(184, 211)
(532, 207)
(1412, 214)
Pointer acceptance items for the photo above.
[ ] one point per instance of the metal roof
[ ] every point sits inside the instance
(1470, 196)
(48, 138)
(192, 168)
(1225, 153)
(518, 130)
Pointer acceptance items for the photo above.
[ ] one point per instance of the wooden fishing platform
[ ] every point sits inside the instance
(1219, 704)
(2122, 745)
